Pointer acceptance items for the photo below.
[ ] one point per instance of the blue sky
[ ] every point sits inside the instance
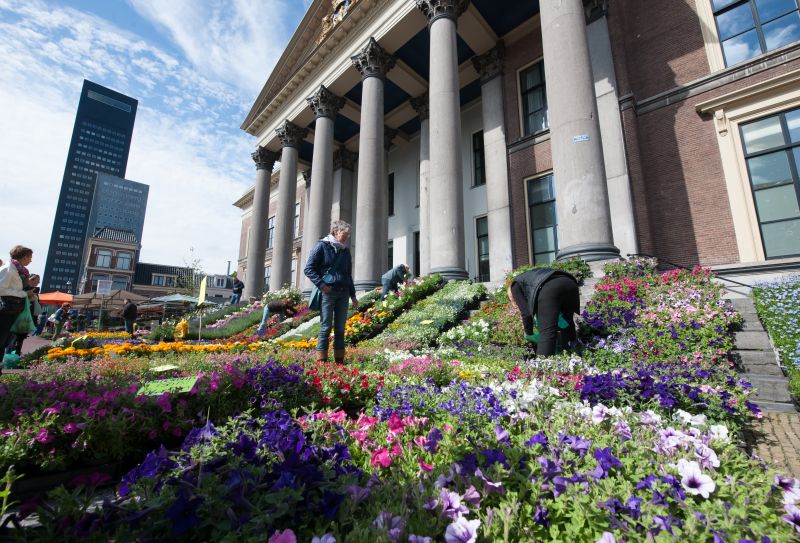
(195, 66)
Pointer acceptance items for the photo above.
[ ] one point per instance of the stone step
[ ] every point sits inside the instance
(743, 305)
(752, 325)
(769, 389)
(777, 407)
(747, 340)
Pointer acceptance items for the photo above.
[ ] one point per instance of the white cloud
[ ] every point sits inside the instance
(186, 142)
(237, 40)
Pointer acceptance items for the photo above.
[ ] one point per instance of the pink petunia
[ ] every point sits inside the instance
(427, 468)
(44, 436)
(380, 458)
(286, 536)
(71, 428)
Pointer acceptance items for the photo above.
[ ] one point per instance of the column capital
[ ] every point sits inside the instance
(438, 9)
(373, 60)
(264, 158)
(290, 134)
(342, 158)
(388, 136)
(595, 9)
(420, 105)
(490, 64)
(324, 103)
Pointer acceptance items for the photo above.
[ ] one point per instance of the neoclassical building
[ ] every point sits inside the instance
(470, 137)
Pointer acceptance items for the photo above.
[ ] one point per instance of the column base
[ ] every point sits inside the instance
(365, 285)
(590, 252)
(451, 274)
(306, 293)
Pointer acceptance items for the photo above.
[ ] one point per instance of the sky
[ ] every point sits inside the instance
(195, 66)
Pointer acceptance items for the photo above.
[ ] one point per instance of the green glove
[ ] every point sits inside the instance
(533, 338)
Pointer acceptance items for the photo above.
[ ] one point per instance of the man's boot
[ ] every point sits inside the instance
(338, 356)
(322, 356)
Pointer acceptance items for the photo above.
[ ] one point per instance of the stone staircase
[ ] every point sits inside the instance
(755, 356)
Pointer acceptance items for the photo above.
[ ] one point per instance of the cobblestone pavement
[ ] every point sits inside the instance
(776, 440)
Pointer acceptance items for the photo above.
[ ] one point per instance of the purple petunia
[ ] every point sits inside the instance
(462, 531)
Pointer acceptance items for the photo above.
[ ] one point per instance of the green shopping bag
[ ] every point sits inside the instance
(10, 361)
(24, 323)
(562, 325)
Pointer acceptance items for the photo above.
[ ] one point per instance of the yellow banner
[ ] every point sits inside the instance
(202, 297)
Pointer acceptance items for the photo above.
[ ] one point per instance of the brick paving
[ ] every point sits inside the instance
(776, 440)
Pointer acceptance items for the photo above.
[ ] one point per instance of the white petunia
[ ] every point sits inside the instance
(693, 479)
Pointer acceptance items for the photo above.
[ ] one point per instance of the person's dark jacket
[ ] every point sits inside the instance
(320, 261)
(238, 286)
(284, 307)
(531, 283)
(395, 276)
(130, 311)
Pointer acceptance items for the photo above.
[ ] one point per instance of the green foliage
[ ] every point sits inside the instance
(286, 293)
(638, 266)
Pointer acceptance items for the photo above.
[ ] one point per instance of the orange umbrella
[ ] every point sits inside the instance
(55, 298)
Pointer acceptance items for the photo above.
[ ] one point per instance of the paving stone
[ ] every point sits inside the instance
(752, 341)
(753, 325)
(743, 304)
(771, 389)
(775, 438)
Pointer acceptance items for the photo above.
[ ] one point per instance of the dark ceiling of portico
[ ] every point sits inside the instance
(505, 15)
(393, 95)
(416, 52)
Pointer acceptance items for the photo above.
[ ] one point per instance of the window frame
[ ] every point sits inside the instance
(390, 186)
(528, 217)
(520, 99)
(103, 253)
(478, 155)
(480, 276)
(271, 232)
(129, 258)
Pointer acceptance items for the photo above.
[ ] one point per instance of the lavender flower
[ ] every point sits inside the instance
(694, 480)
(607, 537)
(462, 531)
(327, 538)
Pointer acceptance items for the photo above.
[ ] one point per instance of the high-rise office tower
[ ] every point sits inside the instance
(101, 140)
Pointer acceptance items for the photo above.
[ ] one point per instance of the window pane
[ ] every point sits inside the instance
(769, 9)
(735, 21)
(483, 226)
(741, 48)
(544, 258)
(777, 203)
(793, 120)
(762, 135)
(544, 215)
(782, 31)
(544, 239)
(719, 4)
(768, 170)
(531, 77)
(540, 190)
(781, 238)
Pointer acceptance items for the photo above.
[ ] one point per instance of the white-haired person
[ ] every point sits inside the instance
(330, 268)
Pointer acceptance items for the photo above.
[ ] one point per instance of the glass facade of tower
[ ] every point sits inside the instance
(101, 140)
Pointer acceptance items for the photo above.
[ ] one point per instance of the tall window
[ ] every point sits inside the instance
(482, 232)
(390, 253)
(533, 100)
(98, 277)
(748, 28)
(391, 194)
(103, 258)
(542, 211)
(297, 220)
(267, 275)
(270, 232)
(772, 152)
(478, 160)
(123, 261)
(119, 282)
(292, 278)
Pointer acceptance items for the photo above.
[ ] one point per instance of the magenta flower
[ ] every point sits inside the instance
(462, 531)
(425, 467)
(71, 428)
(286, 536)
(44, 436)
(381, 458)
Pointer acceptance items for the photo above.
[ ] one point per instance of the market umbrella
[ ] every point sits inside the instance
(55, 298)
(112, 300)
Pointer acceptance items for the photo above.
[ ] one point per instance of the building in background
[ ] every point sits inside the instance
(153, 280)
(118, 203)
(111, 254)
(496, 133)
(101, 139)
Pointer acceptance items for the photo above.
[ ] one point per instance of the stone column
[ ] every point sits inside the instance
(325, 105)
(291, 137)
(373, 63)
(446, 186)
(344, 165)
(305, 243)
(388, 137)
(257, 248)
(490, 68)
(420, 105)
(584, 220)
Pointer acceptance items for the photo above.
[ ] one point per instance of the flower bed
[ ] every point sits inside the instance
(427, 319)
(778, 306)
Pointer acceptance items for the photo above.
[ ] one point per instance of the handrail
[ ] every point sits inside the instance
(689, 269)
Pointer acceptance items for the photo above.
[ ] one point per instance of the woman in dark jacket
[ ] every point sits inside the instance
(330, 268)
(546, 292)
(283, 307)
